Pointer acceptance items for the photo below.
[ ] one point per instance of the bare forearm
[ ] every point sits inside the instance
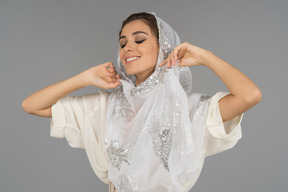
(101, 76)
(39, 102)
(237, 83)
(244, 94)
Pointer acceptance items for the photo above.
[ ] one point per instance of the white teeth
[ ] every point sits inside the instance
(132, 58)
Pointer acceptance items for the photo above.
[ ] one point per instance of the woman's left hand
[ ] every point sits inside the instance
(244, 94)
(187, 54)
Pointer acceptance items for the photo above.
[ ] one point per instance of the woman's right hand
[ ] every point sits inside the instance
(40, 102)
(102, 76)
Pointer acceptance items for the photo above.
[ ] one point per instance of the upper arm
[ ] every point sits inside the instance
(230, 106)
(221, 136)
(44, 112)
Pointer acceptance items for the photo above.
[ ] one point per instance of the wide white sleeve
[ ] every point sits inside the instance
(221, 136)
(69, 115)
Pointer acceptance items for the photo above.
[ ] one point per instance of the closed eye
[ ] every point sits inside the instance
(138, 42)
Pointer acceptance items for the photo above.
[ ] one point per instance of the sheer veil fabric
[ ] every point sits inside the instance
(152, 142)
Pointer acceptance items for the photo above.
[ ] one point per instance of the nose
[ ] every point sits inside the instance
(129, 47)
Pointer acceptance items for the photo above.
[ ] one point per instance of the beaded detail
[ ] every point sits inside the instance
(122, 108)
(127, 184)
(164, 41)
(117, 153)
(152, 81)
(162, 141)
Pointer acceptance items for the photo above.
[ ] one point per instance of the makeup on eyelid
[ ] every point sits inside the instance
(138, 42)
(138, 50)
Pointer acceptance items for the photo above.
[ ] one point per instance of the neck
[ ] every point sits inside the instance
(141, 77)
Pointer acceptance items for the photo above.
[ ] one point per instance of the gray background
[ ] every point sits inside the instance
(45, 41)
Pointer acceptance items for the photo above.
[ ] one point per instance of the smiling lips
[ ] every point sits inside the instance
(131, 59)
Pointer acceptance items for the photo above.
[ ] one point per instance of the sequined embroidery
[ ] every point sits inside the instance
(162, 141)
(164, 41)
(117, 153)
(122, 108)
(152, 81)
(127, 184)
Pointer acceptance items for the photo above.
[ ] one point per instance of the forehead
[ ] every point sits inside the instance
(137, 25)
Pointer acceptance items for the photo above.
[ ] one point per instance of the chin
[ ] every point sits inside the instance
(131, 71)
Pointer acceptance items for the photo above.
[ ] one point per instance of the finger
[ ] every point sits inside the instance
(108, 64)
(114, 79)
(172, 55)
(163, 63)
(167, 61)
(178, 49)
(112, 74)
(113, 85)
(170, 63)
(111, 69)
(109, 80)
(180, 63)
(172, 60)
(175, 53)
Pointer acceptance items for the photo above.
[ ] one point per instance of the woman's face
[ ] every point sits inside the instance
(138, 49)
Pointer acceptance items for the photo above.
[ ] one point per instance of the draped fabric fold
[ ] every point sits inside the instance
(152, 142)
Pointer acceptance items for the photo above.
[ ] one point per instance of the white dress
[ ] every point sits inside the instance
(81, 120)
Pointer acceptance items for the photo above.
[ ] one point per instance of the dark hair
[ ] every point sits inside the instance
(148, 18)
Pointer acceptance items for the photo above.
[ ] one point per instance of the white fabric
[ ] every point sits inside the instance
(154, 142)
(154, 133)
(81, 120)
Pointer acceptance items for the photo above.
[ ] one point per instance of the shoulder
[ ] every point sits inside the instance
(94, 101)
(92, 97)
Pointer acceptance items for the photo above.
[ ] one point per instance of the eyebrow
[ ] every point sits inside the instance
(134, 33)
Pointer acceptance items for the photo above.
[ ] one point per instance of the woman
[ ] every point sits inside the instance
(150, 133)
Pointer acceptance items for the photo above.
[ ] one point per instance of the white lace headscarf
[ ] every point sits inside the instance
(152, 143)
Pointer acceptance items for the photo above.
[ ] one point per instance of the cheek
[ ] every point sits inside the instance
(154, 52)
(121, 55)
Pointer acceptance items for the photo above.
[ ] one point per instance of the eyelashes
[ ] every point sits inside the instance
(138, 42)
